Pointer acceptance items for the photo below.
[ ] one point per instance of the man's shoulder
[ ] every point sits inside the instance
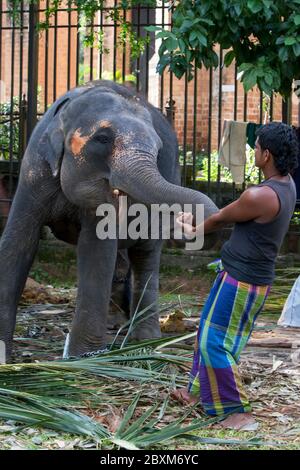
(260, 196)
(264, 198)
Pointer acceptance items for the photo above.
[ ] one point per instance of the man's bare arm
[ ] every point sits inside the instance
(253, 204)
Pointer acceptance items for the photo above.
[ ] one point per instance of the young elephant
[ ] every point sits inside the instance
(92, 140)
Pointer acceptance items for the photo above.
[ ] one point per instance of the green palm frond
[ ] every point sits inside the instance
(35, 410)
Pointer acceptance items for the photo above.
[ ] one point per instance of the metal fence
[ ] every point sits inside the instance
(35, 69)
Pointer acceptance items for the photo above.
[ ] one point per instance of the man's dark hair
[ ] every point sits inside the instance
(281, 140)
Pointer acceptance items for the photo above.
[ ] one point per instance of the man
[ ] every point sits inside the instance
(261, 217)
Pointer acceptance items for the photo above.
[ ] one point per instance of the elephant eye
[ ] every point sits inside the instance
(103, 139)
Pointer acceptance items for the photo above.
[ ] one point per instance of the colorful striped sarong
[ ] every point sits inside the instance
(226, 323)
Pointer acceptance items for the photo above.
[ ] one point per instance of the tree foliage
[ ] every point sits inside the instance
(262, 36)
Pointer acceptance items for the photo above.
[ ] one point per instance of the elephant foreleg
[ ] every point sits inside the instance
(96, 264)
(18, 245)
(145, 261)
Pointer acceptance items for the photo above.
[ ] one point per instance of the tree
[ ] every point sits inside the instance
(263, 36)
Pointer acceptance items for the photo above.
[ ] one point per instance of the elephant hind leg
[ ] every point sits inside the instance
(145, 262)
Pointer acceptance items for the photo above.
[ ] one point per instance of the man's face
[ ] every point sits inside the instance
(261, 156)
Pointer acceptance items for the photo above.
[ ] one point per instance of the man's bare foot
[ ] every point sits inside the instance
(183, 396)
(240, 422)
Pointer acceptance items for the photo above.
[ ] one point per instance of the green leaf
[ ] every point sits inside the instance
(35, 410)
(245, 66)
(206, 21)
(202, 39)
(254, 5)
(215, 58)
(128, 415)
(238, 8)
(297, 20)
(171, 44)
(135, 428)
(182, 45)
(193, 36)
(268, 3)
(152, 28)
(283, 54)
(186, 25)
(268, 78)
(296, 49)
(249, 79)
(263, 86)
(289, 41)
(229, 57)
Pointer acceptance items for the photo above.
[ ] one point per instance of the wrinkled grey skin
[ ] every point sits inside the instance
(93, 139)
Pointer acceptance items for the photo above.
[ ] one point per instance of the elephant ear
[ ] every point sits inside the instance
(51, 145)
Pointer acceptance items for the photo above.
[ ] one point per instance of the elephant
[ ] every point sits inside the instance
(94, 139)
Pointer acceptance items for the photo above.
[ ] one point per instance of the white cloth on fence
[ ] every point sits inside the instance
(232, 150)
(291, 311)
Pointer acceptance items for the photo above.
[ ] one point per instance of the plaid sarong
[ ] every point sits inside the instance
(226, 323)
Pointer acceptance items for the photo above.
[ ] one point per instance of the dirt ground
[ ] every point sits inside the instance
(269, 365)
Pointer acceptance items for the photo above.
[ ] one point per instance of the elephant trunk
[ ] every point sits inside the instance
(140, 179)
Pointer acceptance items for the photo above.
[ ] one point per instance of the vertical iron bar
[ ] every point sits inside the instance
(162, 75)
(245, 106)
(101, 52)
(138, 59)
(115, 44)
(21, 123)
(1, 6)
(92, 52)
(235, 118)
(171, 79)
(11, 117)
(261, 111)
(69, 46)
(147, 58)
(245, 117)
(286, 110)
(195, 125)
(261, 116)
(77, 49)
(209, 137)
(185, 114)
(46, 65)
(55, 57)
(32, 69)
(271, 107)
(220, 124)
(124, 53)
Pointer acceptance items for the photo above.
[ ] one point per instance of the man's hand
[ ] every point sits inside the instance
(185, 221)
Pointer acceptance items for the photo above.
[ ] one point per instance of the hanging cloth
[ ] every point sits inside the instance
(232, 151)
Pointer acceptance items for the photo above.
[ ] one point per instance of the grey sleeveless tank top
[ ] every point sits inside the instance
(250, 253)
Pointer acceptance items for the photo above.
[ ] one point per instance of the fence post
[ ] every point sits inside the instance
(32, 70)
